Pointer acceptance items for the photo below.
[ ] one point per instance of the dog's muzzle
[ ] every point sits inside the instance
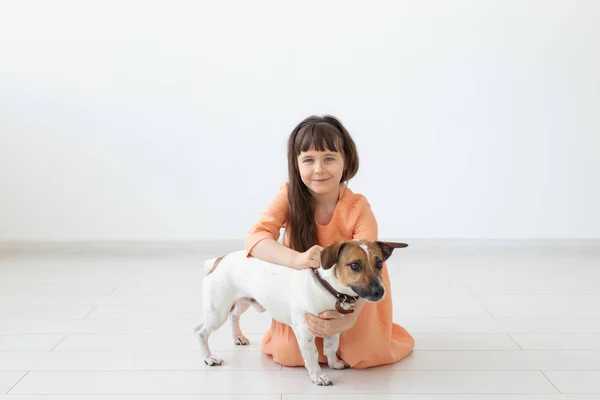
(374, 292)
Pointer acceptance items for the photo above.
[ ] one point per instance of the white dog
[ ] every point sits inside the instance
(349, 270)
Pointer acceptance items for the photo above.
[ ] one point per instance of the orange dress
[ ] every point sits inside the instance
(374, 339)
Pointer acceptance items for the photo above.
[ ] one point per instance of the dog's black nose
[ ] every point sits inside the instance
(376, 292)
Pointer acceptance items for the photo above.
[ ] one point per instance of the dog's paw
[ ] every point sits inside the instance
(339, 364)
(241, 340)
(322, 380)
(212, 361)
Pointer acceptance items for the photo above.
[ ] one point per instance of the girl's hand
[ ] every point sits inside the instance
(311, 258)
(330, 323)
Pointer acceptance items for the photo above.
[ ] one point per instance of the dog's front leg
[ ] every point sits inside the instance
(330, 348)
(308, 348)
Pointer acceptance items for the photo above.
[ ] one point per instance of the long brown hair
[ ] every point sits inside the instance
(320, 134)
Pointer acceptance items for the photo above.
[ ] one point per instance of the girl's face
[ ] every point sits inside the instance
(321, 171)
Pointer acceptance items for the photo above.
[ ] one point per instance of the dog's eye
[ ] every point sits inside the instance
(355, 266)
(379, 264)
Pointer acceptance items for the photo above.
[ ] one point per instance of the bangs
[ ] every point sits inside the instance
(319, 137)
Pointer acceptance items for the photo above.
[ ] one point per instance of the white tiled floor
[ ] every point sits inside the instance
(495, 323)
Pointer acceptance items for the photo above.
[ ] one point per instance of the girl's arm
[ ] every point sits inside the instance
(262, 243)
(272, 251)
(262, 236)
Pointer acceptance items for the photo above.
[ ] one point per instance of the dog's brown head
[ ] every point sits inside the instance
(358, 265)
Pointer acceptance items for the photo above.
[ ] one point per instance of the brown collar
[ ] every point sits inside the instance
(341, 297)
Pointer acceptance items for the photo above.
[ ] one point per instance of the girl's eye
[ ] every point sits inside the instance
(355, 266)
(308, 160)
(379, 264)
(329, 159)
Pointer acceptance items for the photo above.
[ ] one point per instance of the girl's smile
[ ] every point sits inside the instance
(321, 171)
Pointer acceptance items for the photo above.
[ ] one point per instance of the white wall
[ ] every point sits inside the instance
(147, 120)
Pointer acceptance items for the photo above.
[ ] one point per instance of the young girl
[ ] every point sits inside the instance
(317, 209)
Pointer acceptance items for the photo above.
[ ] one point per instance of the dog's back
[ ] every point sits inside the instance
(237, 276)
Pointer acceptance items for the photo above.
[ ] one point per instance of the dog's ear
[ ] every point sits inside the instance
(330, 254)
(388, 247)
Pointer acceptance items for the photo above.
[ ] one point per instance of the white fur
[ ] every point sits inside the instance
(287, 294)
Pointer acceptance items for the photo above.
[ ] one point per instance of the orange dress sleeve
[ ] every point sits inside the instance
(270, 222)
(365, 226)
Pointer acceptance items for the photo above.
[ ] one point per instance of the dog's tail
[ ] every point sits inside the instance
(211, 264)
(208, 264)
